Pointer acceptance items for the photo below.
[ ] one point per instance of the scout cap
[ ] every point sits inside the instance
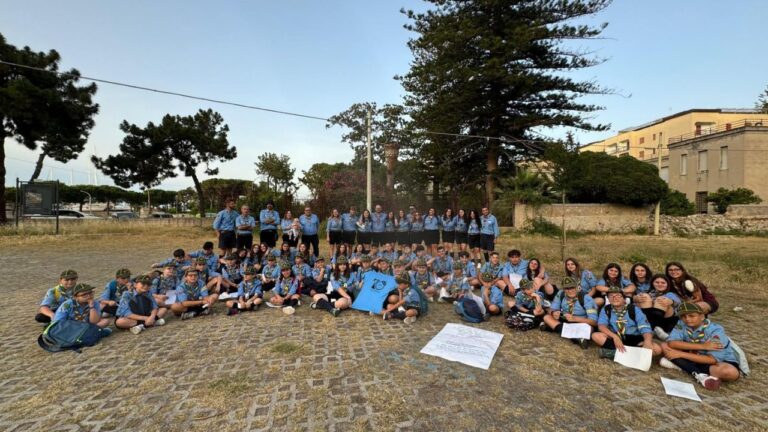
(143, 279)
(421, 262)
(201, 260)
(342, 260)
(457, 265)
(486, 277)
(568, 282)
(190, 271)
(231, 257)
(614, 289)
(123, 273)
(526, 283)
(403, 278)
(285, 265)
(169, 265)
(68, 274)
(82, 288)
(250, 270)
(271, 257)
(400, 263)
(688, 308)
(320, 258)
(365, 258)
(386, 260)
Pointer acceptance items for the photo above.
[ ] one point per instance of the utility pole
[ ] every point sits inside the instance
(368, 200)
(657, 213)
(562, 245)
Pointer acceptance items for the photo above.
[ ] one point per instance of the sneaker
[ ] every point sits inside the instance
(607, 353)
(667, 363)
(546, 303)
(431, 299)
(233, 311)
(137, 329)
(289, 310)
(160, 322)
(272, 305)
(104, 315)
(709, 382)
(335, 312)
(313, 305)
(543, 326)
(387, 316)
(410, 320)
(187, 315)
(106, 331)
(206, 310)
(298, 303)
(205, 306)
(584, 343)
(661, 334)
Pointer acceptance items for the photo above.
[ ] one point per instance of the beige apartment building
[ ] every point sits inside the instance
(702, 150)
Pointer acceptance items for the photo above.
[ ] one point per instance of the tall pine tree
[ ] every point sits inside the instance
(497, 68)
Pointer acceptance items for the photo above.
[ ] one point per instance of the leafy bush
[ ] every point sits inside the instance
(544, 227)
(675, 203)
(724, 197)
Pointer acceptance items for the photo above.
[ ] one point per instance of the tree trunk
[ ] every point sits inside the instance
(149, 203)
(38, 167)
(435, 192)
(200, 196)
(491, 164)
(90, 210)
(3, 218)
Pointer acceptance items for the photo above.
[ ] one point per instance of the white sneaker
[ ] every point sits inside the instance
(661, 334)
(298, 303)
(709, 382)
(627, 300)
(667, 363)
(187, 315)
(410, 320)
(443, 295)
(289, 310)
(104, 315)
(137, 329)
(205, 306)
(160, 322)
(206, 310)
(431, 299)
(272, 305)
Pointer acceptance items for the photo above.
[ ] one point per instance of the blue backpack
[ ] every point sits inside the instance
(70, 334)
(469, 310)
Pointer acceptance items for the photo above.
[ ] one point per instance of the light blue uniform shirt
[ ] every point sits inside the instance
(459, 225)
(495, 270)
(232, 274)
(124, 308)
(431, 223)
(521, 299)
(225, 220)
(417, 226)
(470, 269)
(644, 287)
(161, 285)
(589, 311)
(72, 310)
(347, 282)
(412, 297)
(624, 282)
(403, 225)
(449, 224)
(179, 266)
(249, 289)
(309, 224)
(285, 225)
(638, 326)
(444, 264)
(213, 259)
(271, 272)
(490, 225)
(268, 219)
(334, 224)
(187, 292)
(588, 281)
(249, 220)
(706, 332)
(496, 297)
(378, 222)
(303, 270)
(422, 280)
(113, 291)
(455, 284)
(520, 269)
(670, 295)
(349, 222)
(473, 228)
(50, 297)
(389, 226)
(365, 226)
(286, 287)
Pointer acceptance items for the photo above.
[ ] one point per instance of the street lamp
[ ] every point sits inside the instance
(89, 201)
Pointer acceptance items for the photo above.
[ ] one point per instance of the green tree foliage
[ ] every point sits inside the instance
(725, 197)
(277, 172)
(218, 190)
(389, 124)
(498, 68)
(527, 187)
(156, 152)
(762, 102)
(315, 177)
(675, 203)
(595, 177)
(38, 107)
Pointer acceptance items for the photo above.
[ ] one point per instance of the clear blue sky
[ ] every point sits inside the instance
(320, 57)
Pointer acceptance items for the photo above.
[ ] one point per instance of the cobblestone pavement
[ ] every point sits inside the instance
(309, 371)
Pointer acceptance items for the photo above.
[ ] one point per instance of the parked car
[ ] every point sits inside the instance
(66, 214)
(161, 215)
(124, 215)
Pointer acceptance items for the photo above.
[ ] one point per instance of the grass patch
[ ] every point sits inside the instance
(288, 348)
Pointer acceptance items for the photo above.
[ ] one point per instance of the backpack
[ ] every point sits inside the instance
(469, 310)
(630, 310)
(580, 297)
(69, 334)
(520, 321)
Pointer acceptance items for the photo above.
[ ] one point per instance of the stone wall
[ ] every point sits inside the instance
(747, 211)
(711, 223)
(587, 217)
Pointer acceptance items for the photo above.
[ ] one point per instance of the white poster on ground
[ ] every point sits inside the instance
(464, 344)
(634, 357)
(576, 331)
(680, 389)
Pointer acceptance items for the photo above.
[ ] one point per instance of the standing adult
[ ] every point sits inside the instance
(224, 225)
(489, 230)
(448, 221)
(349, 227)
(403, 226)
(310, 225)
(334, 232)
(461, 223)
(269, 218)
(378, 225)
(431, 231)
(245, 224)
(285, 227)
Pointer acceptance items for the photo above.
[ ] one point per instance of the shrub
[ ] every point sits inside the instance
(544, 227)
(675, 203)
(724, 197)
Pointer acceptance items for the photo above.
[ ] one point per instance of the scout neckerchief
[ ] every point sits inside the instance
(231, 271)
(697, 335)
(343, 281)
(494, 269)
(285, 286)
(442, 263)
(269, 270)
(570, 304)
(422, 280)
(60, 292)
(473, 225)
(82, 313)
(455, 284)
(120, 289)
(166, 284)
(621, 321)
(529, 299)
(192, 291)
(247, 287)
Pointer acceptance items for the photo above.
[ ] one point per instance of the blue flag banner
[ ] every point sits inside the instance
(376, 287)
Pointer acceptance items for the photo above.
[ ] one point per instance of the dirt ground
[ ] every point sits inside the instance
(310, 371)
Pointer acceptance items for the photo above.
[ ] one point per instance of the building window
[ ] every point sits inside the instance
(611, 149)
(724, 157)
(703, 161)
(623, 146)
(664, 174)
(642, 154)
(642, 140)
(683, 164)
(654, 137)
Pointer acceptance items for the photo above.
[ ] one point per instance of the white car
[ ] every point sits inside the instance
(66, 214)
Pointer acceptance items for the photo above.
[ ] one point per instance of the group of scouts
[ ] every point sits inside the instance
(665, 313)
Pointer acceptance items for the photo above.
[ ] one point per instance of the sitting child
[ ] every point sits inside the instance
(527, 301)
(113, 292)
(56, 296)
(620, 324)
(285, 294)
(493, 296)
(456, 285)
(192, 299)
(164, 285)
(249, 293)
(570, 305)
(82, 307)
(138, 309)
(406, 303)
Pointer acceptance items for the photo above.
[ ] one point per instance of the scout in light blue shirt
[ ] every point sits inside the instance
(403, 225)
(489, 224)
(637, 326)
(56, 296)
(707, 331)
(241, 221)
(460, 226)
(334, 224)
(179, 262)
(493, 268)
(349, 220)
(212, 259)
(114, 290)
(493, 297)
(442, 264)
(192, 299)
(449, 224)
(268, 219)
(622, 325)
(527, 300)
(571, 305)
(378, 220)
(588, 281)
(431, 223)
(226, 219)
(249, 293)
(309, 224)
(473, 228)
(82, 307)
(457, 284)
(139, 301)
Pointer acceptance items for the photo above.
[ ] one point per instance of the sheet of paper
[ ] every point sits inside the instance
(635, 357)
(171, 297)
(438, 281)
(227, 296)
(515, 279)
(464, 344)
(576, 331)
(680, 389)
